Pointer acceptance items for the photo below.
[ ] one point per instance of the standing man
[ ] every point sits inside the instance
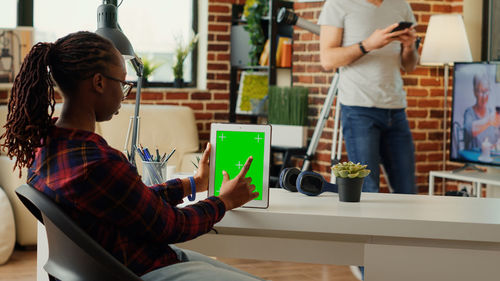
(357, 37)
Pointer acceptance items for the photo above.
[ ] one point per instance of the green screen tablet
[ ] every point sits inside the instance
(232, 144)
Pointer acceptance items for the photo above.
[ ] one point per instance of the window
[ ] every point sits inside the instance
(8, 14)
(151, 26)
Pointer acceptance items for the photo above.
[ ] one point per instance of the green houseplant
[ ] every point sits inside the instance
(287, 113)
(254, 11)
(149, 68)
(349, 179)
(181, 52)
(288, 105)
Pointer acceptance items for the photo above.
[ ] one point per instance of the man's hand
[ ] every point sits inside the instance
(408, 39)
(236, 192)
(202, 175)
(381, 37)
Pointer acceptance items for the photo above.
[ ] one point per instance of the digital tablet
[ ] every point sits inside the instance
(232, 144)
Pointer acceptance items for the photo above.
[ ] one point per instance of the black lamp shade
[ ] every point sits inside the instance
(107, 27)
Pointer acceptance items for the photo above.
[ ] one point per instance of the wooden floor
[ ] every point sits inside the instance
(22, 267)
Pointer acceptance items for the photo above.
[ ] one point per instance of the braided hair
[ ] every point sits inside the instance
(68, 61)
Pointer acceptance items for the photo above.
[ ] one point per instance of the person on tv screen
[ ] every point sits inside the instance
(481, 122)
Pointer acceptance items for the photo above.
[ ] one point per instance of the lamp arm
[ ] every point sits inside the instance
(139, 68)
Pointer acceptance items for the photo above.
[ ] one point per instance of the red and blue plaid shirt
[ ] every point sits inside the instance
(103, 193)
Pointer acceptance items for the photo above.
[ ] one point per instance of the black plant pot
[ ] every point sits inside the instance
(349, 189)
(178, 83)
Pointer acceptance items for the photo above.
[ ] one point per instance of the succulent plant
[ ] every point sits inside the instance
(350, 170)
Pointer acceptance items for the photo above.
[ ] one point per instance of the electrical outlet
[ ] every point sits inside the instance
(467, 187)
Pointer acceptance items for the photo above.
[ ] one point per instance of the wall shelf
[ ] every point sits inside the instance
(271, 30)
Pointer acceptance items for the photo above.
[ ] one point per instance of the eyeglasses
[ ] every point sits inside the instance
(483, 91)
(126, 86)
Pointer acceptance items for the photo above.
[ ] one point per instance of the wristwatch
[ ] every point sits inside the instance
(363, 50)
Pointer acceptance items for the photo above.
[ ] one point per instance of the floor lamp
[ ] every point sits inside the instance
(445, 43)
(107, 26)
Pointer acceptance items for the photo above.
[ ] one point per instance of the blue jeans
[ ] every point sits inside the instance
(375, 136)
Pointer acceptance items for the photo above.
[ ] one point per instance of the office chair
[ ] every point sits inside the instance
(73, 254)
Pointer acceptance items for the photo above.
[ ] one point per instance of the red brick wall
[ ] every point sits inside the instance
(424, 86)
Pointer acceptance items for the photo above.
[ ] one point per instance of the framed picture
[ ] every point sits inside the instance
(252, 93)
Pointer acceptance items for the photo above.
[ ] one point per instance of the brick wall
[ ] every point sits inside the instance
(424, 85)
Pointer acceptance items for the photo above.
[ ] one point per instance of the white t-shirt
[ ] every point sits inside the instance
(374, 80)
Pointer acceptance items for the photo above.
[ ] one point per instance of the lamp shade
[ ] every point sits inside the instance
(445, 41)
(107, 27)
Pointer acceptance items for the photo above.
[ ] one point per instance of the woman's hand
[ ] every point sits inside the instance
(236, 192)
(494, 119)
(202, 175)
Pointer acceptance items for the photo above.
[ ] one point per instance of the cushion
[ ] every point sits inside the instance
(7, 228)
(161, 126)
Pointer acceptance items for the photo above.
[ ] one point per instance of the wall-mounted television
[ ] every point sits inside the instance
(475, 129)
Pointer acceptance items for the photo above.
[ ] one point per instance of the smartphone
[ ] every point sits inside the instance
(402, 25)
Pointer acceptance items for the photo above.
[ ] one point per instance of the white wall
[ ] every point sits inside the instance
(473, 18)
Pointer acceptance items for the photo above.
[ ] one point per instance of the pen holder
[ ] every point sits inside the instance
(153, 173)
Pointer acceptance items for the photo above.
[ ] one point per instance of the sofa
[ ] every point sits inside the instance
(162, 126)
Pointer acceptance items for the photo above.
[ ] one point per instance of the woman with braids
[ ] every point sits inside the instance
(94, 183)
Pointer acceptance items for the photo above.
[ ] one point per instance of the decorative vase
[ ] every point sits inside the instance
(178, 83)
(349, 189)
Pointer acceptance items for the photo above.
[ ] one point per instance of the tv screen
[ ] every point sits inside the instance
(475, 130)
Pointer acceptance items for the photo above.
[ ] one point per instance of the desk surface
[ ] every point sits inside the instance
(378, 214)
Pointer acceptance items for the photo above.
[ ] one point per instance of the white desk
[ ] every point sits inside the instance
(475, 177)
(396, 237)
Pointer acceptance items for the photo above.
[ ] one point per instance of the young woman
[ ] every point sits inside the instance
(94, 183)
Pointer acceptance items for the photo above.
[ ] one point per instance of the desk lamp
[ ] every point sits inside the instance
(107, 27)
(445, 43)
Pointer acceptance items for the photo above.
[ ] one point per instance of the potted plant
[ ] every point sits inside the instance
(287, 113)
(181, 53)
(254, 11)
(149, 68)
(349, 179)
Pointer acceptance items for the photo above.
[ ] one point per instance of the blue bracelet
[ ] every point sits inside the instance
(192, 196)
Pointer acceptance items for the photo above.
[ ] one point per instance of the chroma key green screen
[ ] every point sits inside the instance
(233, 150)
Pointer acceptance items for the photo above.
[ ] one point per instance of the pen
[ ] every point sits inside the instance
(140, 153)
(148, 155)
(168, 157)
(157, 155)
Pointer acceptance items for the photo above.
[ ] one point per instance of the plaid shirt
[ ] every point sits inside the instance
(97, 187)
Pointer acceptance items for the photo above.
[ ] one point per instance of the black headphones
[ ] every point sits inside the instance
(307, 182)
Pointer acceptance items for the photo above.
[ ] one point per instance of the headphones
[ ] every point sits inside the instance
(307, 182)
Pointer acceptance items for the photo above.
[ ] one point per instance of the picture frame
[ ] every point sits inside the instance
(252, 93)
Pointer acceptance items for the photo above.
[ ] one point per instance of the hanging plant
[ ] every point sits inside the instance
(256, 11)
